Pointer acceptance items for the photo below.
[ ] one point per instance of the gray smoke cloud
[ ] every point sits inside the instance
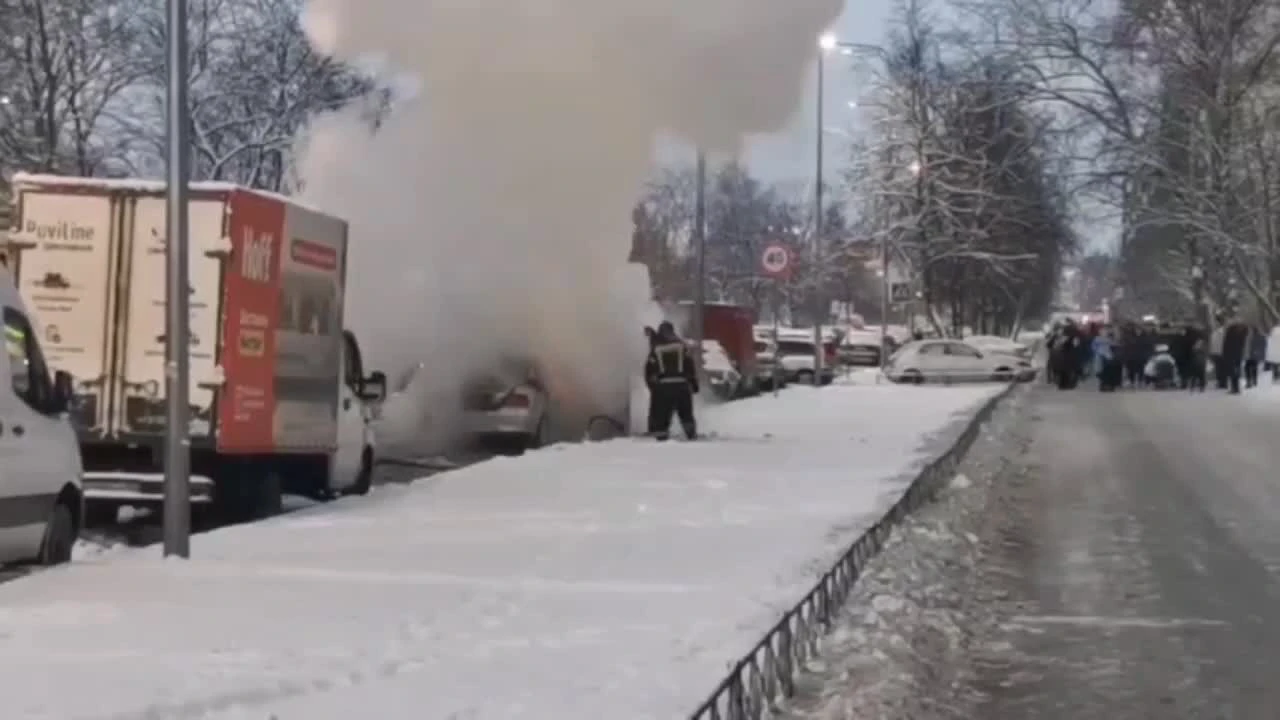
(491, 213)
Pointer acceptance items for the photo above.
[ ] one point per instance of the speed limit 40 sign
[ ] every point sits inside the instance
(775, 261)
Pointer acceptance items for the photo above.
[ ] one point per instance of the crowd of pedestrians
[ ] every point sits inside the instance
(1151, 355)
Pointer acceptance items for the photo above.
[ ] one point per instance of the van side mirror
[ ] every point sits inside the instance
(374, 387)
(63, 392)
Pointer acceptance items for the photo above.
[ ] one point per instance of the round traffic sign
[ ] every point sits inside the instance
(775, 259)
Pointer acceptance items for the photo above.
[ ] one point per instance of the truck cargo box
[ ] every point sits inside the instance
(266, 299)
(730, 325)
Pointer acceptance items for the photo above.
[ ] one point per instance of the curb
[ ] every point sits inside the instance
(767, 673)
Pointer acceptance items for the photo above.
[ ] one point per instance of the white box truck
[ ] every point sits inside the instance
(278, 390)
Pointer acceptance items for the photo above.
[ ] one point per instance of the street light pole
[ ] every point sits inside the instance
(884, 303)
(700, 250)
(825, 44)
(177, 370)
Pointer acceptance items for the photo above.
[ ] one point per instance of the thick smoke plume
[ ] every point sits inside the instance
(491, 215)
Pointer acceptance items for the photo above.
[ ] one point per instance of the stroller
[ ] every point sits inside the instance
(1161, 370)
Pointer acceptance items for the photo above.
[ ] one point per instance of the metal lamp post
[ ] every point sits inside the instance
(884, 304)
(700, 251)
(177, 370)
(826, 43)
(1197, 293)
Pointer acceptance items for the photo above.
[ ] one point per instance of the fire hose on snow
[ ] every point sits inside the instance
(605, 427)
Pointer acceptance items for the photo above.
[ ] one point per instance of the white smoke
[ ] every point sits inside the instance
(491, 214)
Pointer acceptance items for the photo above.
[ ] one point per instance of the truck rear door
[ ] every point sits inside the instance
(140, 382)
(68, 252)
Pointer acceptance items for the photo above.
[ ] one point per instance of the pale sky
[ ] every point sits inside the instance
(791, 155)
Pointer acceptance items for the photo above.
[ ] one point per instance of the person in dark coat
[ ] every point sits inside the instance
(1135, 351)
(1235, 343)
(1180, 345)
(1255, 356)
(1067, 357)
(672, 378)
(1084, 350)
(1107, 351)
(1198, 367)
(1051, 354)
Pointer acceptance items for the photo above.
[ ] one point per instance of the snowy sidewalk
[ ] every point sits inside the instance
(612, 580)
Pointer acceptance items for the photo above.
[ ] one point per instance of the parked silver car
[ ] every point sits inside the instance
(510, 406)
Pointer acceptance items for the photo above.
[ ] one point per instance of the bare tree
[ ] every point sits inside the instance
(958, 183)
(64, 67)
(255, 81)
(744, 216)
(1164, 100)
(662, 238)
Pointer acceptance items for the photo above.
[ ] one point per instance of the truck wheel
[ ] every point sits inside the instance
(268, 500)
(248, 495)
(59, 537)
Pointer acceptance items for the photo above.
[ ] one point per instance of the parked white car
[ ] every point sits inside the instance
(795, 357)
(1000, 345)
(862, 347)
(953, 361)
(40, 466)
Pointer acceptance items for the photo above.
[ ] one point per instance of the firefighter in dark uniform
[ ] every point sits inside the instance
(672, 378)
(651, 336)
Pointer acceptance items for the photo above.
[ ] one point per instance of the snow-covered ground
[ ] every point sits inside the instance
(902, 644)
(606, 580)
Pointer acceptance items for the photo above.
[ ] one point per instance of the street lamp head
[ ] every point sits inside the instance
(828, 41)
(914, 167)
(5, 100)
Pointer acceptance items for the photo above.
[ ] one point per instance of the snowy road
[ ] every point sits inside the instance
(1136, 573)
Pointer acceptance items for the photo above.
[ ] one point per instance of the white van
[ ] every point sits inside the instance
(41, 501)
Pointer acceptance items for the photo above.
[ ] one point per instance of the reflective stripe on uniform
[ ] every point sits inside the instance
(675, 348)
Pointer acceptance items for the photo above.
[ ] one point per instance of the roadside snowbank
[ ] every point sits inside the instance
(603, 580)
(902, 645)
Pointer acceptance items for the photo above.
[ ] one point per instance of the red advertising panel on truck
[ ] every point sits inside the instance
(251, 315)
(282, 339)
